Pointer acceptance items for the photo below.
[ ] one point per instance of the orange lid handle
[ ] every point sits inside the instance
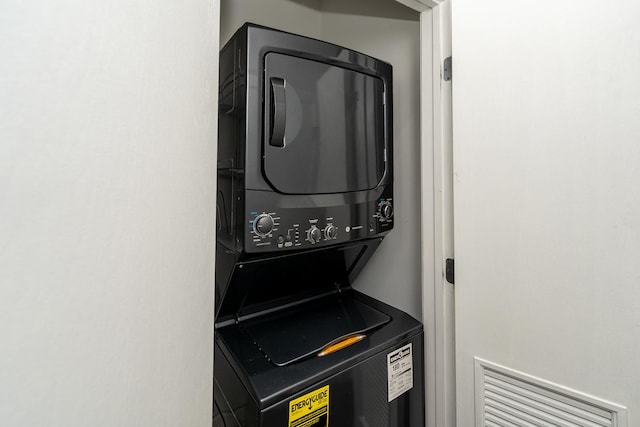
(331, 348)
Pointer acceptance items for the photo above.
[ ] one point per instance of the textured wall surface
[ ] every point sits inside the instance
(107, 201)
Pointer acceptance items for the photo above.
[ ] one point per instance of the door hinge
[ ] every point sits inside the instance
(446, 69)
(449, 271)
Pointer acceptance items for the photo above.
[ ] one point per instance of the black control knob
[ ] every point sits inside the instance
(330, 232)
(263, 225)
(386, 211)
(314, 234)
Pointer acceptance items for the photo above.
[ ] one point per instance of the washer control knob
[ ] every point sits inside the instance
(263, 225)
(330, 232)
(314, 234)
(386, 211)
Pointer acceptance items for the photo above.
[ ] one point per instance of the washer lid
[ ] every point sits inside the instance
(296, 333)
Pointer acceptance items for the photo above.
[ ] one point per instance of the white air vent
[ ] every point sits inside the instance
(506, 398)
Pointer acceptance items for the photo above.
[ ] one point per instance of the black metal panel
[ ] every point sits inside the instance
(353, 218)
(293, 333)
(357, 376)
(269, 383)
(262, 41)
(358, 395)
(281, 257)
(233, 404)
(247, 284)
(329, 122)
(329, 214)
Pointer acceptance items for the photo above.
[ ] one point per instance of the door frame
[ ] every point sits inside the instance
(437, 292)
(436, 176)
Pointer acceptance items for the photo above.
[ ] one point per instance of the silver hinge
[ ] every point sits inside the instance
(446, 69)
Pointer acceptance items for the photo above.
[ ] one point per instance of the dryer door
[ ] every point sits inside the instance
(324, 127)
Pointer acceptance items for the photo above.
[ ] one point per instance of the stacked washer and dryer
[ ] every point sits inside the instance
(305, 196)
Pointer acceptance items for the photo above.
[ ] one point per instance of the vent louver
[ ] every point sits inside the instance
(506, 398)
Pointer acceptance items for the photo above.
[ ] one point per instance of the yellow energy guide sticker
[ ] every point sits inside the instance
(310, 410)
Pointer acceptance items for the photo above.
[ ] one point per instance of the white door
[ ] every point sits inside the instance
(546, 135)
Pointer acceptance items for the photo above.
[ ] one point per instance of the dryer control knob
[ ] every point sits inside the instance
(386, 211)
(263, 225)
(314, 234)
(330, 232)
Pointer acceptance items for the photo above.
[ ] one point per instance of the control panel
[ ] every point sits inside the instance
(299, 228)
(262, 226)
(385, 210)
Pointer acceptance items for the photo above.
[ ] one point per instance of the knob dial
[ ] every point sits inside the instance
(386, 211)
(314, 234)
(263, 225)
(330, 232)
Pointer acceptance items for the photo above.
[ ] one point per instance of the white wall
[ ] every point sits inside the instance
(295, 16)
(547, 204)
(107, 201)
(391, 32)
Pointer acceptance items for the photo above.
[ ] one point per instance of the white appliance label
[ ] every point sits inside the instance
(400, 371)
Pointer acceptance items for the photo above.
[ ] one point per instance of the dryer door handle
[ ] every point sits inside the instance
(278, 112)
